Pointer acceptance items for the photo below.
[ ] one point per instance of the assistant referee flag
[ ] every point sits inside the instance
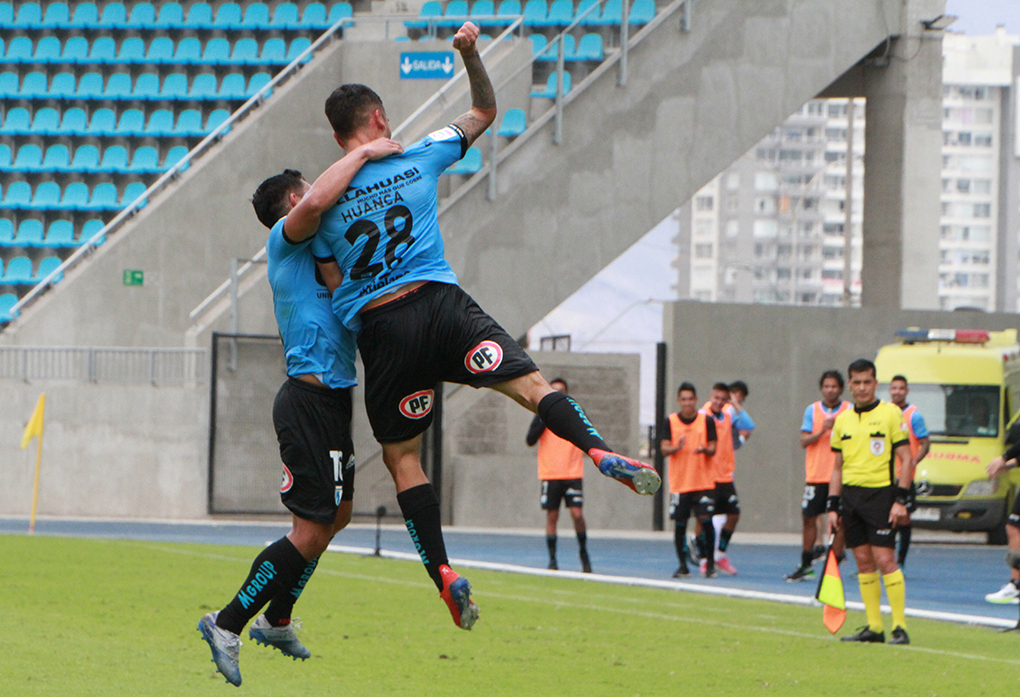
(830, 594)
(35, 424)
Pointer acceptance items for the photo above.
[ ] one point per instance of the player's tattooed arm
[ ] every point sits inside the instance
(483, 96)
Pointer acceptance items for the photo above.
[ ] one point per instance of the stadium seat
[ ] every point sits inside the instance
(161, 51)
(188, 52)
(6, 14)
(143, 16)
(46, 121)
(203, 87)
(131, 192)
(72, 122)
(9, 84)
(34, 86)
(161, 123)
(29, 16)
(104, 197)
(431, 11)
(57, 158)
(232, 87)
(469, 164)
(509, 10)
(561, 13)
(483, 8)
(175, 155)
(189, 123)
(104, 122)
(6, 233)
(568, 50)
(642, 12)
(47, 195)
(171, 16)
(297, 47)
(216, 52)
(5, 156)
(19, 272)
(47, 50)
(535, 13)
(115, 160)
(257, 82)
(47, 266)
(76, 196)
(145, 160)
(245, 51)
(28, 159)
(256, 16)
(90, 86)
(86, 16)
(86, 159)
(30, 233)
(285, 16)
(89, 229)
(612, 13)
(199, 16)
(57, 16)
(114, 16)
(18, 121)
(340, 11)
(589, 48)
(175, 87)
(594, 17)
(7, 302)
(146, 87)
(514, 123)
(19, 50)
(455, 15)
(59, 234)
(274, 52)
(132, 123)
(228, 16)
(63, 86)
(118, 86)
(314, 16)
(215, 119)
(76, 50)
(550, 86)
(102, 52)
(132, 50)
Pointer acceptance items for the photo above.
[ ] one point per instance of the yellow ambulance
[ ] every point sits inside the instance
(966, 385)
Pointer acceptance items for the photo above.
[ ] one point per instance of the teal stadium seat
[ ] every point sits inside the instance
(47, 266)
(161, 51)
(232, 87)
(103, 123)
(57, 16)
(75, 197)
(30, 233)
(550, 86)
(340, 11)
(143, 16)
(245, 51)
(188, 51)
(131, 192)
(216, 52)
(86, 16)
(86, 159)
(146, 87)
(594, 12)
(19, 50)
(285, 16)
(132, 50)
(257, 82)
(314, 17)
(175, 155)
(34, 86)
(90, 86)
(17, 195)
(538, 44)
(228, 17)
(5, 156)
(89, 230)
(132, 123)
(104, 197)
(46, 196)
(200, 16)
(29, 16)
(161, 123)
(19, 272)
(76, 50)
(256, 16)
(589, 48)
(175, 86)
(189, 123)
(508, 12)
(28, 159)
(469, 164)
(483, 8)
(297, 47)
(144, 161)
(9, 85)
(57, 158)
(203, 87)
(118, 86)
(535, 13)
(7, 303)
(115, 160)
(274, 52)
(102, 52)
(215, 119)
(114, 16)
(612, 13)
(561, 13)
(60, 234)
(63, 86)
(568, 49)
(47, 50)
(46, 121)
(514, 123)
(431, 11)
(6, 14)
(642, 12)
(455, 15)
(171, 16)
(72, 122)
(6, 233)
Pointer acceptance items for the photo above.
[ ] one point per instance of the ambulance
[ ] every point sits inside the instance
(966, 385)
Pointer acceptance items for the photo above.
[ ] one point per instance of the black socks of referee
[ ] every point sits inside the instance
(275, 570)
(566, 419)
(420, 509)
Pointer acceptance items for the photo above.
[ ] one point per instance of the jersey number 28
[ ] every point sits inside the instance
(363, 267)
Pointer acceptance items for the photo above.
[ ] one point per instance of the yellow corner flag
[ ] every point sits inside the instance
(830, 594)
(35, 424)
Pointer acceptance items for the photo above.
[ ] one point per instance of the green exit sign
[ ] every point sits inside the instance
(133, 277)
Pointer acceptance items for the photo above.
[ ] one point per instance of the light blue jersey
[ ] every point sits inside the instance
(384, 230)
(314, 341)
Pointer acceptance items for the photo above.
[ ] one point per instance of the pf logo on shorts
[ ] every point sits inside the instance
(417, 405)
(484, 357)
(287, 482)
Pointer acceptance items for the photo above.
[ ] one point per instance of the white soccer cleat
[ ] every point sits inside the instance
(226, 648)
(1009, 593)
(283, 638)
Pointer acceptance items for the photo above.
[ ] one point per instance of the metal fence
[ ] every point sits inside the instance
(98, 364)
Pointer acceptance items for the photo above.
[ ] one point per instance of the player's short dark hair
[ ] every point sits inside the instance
(739, 386)
(900, 378)
(348, 108)
(834, 374)
(862, 365)
(686, 387)
(270, 199)
(721, 387)
(565, 385)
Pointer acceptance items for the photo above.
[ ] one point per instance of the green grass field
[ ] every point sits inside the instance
(96, 617)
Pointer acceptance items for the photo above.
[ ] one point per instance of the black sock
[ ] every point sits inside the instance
(566, 419)
(282, 604)
(582, 542)
(708, 543)
(550, 542)
(724, 539)
(420, 509)
(904, 533)
(680, 542)
(699, 542)
(274, 570)
(806, 558)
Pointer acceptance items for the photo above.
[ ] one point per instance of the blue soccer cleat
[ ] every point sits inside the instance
(226, 648)
(457, 595)
(282, 638)
(638, 476)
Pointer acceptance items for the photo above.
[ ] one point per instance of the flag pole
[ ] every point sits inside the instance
(35, 486)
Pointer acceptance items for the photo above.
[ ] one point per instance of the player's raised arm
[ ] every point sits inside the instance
(303, 220)
(483, 97)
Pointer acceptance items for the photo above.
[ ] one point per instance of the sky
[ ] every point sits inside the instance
(620, 310)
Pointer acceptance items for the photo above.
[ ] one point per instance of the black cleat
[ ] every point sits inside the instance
(585, 563)
(866, 636)
(817, 553)
(899, 636)
(801, 573)
(682, 571)
(553, 566)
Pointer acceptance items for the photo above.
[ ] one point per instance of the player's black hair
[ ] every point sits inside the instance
(834, 374)
(900, 378)
(739, 386)
(348, 108)
(722, 387)
(270, 199)
(862, 365)
(561, 380)
(686, 387)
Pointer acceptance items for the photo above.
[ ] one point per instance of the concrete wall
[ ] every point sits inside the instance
(781, 352)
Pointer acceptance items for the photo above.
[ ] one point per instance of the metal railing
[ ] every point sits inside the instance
(105, 364)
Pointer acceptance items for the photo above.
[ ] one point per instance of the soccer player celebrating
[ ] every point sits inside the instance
(689, 439)
(815, 433)
(920, 443)
(311, 413)
(415, 326)
(864, 490)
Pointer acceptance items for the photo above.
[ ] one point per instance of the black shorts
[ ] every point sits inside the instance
(700, 503)
(435, 333)
(570, 491)
(816, 496)
(313, 425)
(1014, 515)
(726, 499)
(865, 514)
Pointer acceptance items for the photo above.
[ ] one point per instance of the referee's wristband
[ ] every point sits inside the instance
(902, 495)
(832, 504)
